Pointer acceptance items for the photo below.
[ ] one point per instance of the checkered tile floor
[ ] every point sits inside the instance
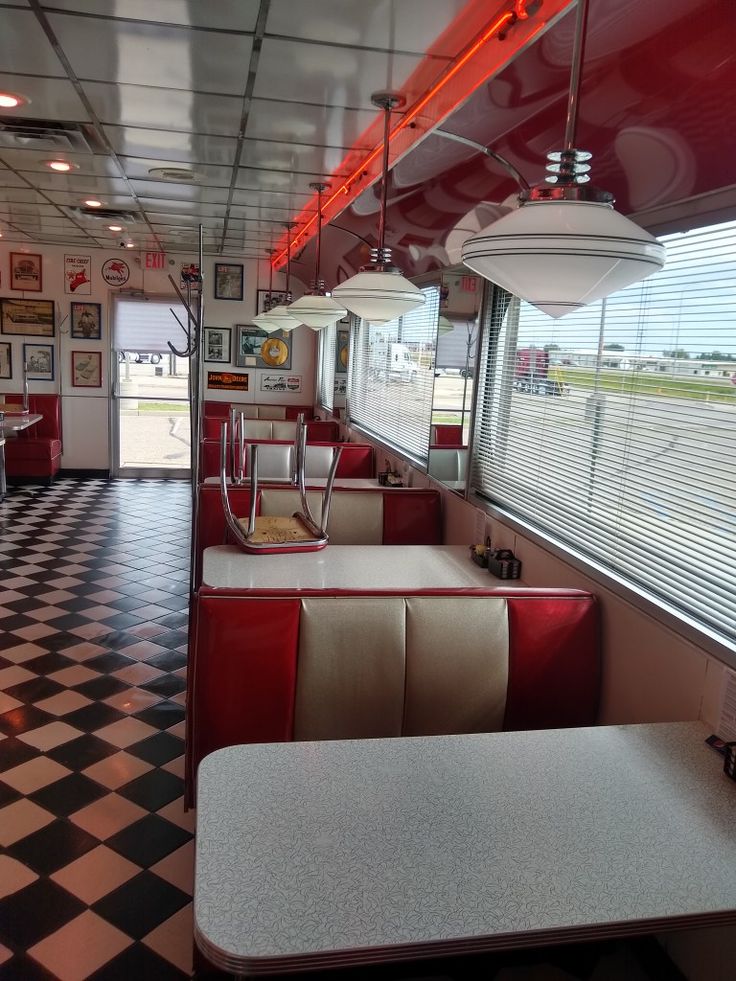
(96, 851)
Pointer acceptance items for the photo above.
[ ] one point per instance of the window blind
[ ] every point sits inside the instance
(327, 344)
(147, 325)
(391, 378)
(612, 430)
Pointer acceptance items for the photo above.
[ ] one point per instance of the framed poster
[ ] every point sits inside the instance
(29, 317)
(39, 359)
(6, 360)
(78, 274)
(281, 383)
(228, 281)
(255, 348)
(342, 349)
(217, 344)
(87, 321)
(227, 381)
(87, 369)
(25, 271)
(262, 300)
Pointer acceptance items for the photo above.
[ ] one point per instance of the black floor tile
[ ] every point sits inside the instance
(158, 749)
(54, 846)
(147, 841)
(123, 620)
(68, 795)
(46, 664)
(35, 912)
(35, 690)
(167, 660)
(7, 794)
(163, 716)
(14, 751)
(89, 718)
(22, 720)
(109, 662)
(102, 687)
(154, 789)
(174, 621)
(70, 620)
(141, 904)
(24, 968)
(167, 685)
(82, 752)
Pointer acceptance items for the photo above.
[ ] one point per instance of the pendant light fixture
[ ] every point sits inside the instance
(279, 317)
(262, 320)
(380, 292)
(565, 246)
(317, 309)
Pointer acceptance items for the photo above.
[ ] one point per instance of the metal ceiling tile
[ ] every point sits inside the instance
(25, 195)
(295, 200)
(274, 180)
(171, 218)
(138, 168)
(32, 163)
(50, 98)
(231, 15)
(9, 179)
(189, 148)
(112, 193)
(148, 54)
(319, 125)
(141, 105)
(412, 25)
(25, 48)
(294, 157)
(293, 71)
(18, 208)
(172, 206)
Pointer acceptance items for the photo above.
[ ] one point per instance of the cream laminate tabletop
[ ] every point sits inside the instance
(327, 854)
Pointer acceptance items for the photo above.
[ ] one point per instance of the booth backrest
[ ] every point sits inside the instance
(318, 430)
(447, 464)
(447, 434)
(46, 405)
(355, 666)
(274, 463)
(411, 516)
(252, 410)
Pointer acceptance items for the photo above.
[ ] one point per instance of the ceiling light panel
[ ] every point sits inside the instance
(131, 52)
(186, 192)
(293, 157)
(411, 26)
(139, 168)
(172, 206)
(49, 98)
(232, 15)
(140, 105)
(25, 48)
(291, 71)
(323, 126)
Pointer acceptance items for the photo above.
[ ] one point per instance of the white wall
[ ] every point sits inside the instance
(85, 411)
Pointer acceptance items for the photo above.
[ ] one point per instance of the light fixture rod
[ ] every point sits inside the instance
(319, 188)
(578, 54)
(288, 226)
(384, 181)
(507, 165)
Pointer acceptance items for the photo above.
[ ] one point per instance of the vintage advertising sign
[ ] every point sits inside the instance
(227, 381)
(116, 272)
(281, 383)
(78, 274)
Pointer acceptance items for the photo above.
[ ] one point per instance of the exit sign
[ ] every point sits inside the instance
(155, 260)
(469, 284)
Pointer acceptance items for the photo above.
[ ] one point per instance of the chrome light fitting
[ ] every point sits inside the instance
(565, 246)
(379, 292)
(279, 316)
(317, 309)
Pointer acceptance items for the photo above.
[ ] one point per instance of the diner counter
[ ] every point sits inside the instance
(363, 567)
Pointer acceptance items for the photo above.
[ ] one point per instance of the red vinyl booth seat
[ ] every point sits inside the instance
(356, 459)
(276, 668)
(36, 452)
(410, 516)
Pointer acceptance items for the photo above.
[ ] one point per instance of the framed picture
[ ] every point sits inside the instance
(87, 321)
(262, 300)
(29, 317)
(78, 274)
(228, 281)
(254, 348)
(342, 349)
(217, 344)
(87, 369)
(39, 359)
(6, 360)
(25, 271)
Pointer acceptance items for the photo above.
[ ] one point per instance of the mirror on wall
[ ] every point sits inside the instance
(455, 373)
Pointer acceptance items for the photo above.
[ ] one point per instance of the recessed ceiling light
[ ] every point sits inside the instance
(10, 100)
(130, 245)
(115, 228)
(62, 166)
(93, 203)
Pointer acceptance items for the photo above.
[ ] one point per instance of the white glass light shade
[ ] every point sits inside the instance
(562, 255)
(317, 311)
(379, 296)
(263, 321)
(281, 318)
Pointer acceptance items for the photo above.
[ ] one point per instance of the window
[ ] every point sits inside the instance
(613, 429)
(326, 343)
(391, 378)
(148, 325)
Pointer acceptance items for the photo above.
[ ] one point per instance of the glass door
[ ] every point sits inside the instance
(151, 432)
